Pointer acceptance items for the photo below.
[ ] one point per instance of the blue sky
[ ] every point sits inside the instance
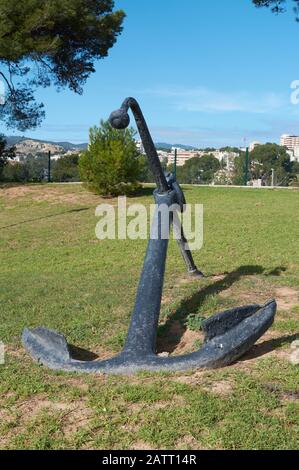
(206, 73)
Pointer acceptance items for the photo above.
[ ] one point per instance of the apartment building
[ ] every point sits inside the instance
(289, 141)
(182, 156)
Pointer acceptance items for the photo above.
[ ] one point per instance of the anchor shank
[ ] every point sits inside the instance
(141, 338)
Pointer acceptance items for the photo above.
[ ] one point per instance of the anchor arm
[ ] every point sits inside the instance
(184, 248)
(51, 349)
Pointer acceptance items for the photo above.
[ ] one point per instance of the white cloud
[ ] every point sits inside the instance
(201, 99)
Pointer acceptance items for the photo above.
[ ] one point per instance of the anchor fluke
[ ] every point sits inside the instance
(45, 343)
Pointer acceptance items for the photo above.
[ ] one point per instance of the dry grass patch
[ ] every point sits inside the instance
(287, 298)
(188, 442)
(52, 194)
(141, 445)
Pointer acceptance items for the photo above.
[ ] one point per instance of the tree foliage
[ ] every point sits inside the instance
(111, 165)
(270, 156)
(15, 172)
(198, 170)
(239, 168)
(263, 159)
(278, 6)
(6, 154)
(34, 168)
(50, 42)
(66, 168)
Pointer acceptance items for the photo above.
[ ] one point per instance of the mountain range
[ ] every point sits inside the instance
(14, 140)
(164, 145)
(25, 145)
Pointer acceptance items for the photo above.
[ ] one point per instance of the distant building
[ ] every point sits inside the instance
(182, 156)
(163, 156)
(294, 154)
(140, 147)
(257, 183)
(292, 144)
(229, 160)
(253, 145)
(289, 141)
(225, 157)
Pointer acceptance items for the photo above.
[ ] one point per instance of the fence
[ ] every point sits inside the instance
(42, 168)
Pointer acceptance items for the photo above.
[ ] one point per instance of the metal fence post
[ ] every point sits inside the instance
(49, 167)
(246, 167)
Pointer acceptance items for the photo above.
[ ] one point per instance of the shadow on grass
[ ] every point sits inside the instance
(147, 191)
(166, 341)
(82, 354)
(268, 346)
(45, 217)
(256, 351)
(142, 192)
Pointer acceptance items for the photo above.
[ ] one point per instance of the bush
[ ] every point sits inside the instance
(6, 154)
(111, 166)
(36, 167)
(15, 172)
(66, 169)
(29, 169)
(198, 170)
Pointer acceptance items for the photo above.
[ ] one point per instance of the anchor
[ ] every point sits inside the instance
(228, 334)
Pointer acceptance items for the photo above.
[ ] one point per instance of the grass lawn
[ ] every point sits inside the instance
(55, 273)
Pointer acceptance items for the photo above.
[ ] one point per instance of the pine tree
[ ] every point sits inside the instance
(50, 42)
(6, 154)
(111, 166)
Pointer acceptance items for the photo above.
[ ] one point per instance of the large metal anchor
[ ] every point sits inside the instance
(228, 335)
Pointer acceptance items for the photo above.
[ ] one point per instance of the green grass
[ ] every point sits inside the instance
(54, 272)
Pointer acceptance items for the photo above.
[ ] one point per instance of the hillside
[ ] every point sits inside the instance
(166, 146)
(28, 146)
(25, 146)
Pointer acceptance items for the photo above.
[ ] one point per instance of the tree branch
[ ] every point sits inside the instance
(10, 87)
